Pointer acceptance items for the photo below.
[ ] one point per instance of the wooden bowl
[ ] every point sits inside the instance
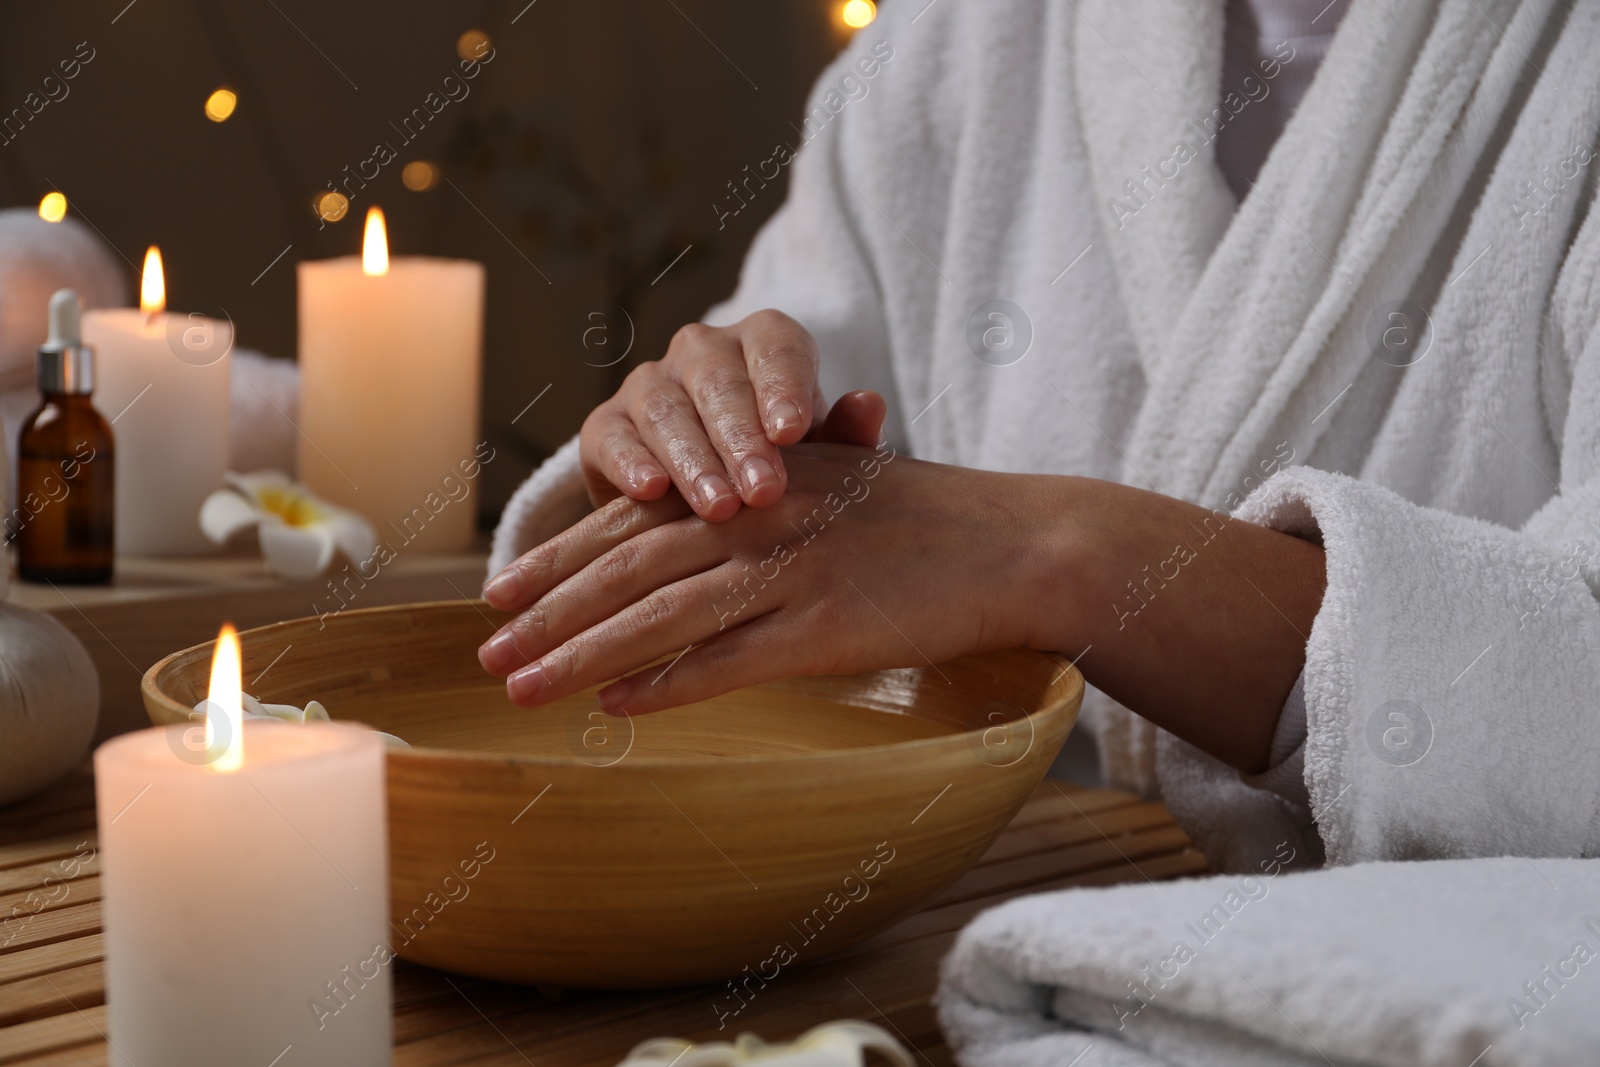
(727, 839)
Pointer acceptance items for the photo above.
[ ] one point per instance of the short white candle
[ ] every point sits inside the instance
(244, 909)
(390, 354)
(164, 378)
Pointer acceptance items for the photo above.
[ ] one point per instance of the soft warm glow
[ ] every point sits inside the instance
(331, 207)
(375, 245)
(220, 105)
(858, 13)
(53, 208)
(472, 45)
(152, 283)
(419, 175)
(224, 706)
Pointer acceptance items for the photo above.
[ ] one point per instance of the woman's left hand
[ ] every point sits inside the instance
(869, 560)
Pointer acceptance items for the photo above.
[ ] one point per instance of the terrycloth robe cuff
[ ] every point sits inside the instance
(1421, 742)
(1286, 771)
(552, 499)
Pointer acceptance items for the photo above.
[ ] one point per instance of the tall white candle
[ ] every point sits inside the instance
(245, 910)
(164, 378)
(390, 354)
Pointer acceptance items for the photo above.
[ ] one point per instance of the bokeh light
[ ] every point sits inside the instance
(53, 208)
(331, 207)
(419, 175)
(858, 13)
(220, 105)
(473, 44)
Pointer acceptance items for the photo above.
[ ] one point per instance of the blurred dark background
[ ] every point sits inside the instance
(585, 158)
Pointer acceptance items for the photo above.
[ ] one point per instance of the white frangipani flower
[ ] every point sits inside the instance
(838, 1044)
(312, 712)
(300, 533)
(255, 709)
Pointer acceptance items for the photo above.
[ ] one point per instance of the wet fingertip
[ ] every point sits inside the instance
(647, 483)
(498, 655)
(720, 510)
(502, 590)
(527, 685)
(612, 696)
(714, 498)
(765, 496)
(759, 475)
(784, 425)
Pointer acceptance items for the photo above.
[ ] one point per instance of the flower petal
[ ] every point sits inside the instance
(315, 712)
(296, 551)
(224, 514)
(352, 533)
(286, 712)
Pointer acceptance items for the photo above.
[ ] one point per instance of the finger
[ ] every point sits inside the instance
(855, 419)
(725, 400)
(540, 570)
(623, 576)
(781, 360)
(615, 460)
(661, 624)
(749, 655)
(670, 428)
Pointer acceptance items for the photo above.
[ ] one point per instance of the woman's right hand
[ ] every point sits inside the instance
(709, 417)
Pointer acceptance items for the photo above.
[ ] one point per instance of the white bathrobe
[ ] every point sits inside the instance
(1428, 204)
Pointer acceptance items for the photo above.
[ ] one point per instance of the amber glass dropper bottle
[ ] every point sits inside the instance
(65, 465)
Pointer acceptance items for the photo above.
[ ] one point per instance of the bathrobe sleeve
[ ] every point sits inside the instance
(808, 261)
(1452, 677)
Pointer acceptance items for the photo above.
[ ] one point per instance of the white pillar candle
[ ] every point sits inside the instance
(390, 354)
(246, 910)
(164, 378)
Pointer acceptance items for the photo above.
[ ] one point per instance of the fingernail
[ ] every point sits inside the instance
(502, 589)
(783, 415)
(499, 654)
(713, 489)
(758, 472)
(614, 694)
(644, 477)
(527, 683)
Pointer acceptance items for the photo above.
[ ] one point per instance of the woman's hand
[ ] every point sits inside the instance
(1196, 620)
(710, 416)
(870, 560)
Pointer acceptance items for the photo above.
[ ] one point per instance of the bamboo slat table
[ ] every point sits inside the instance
(52, 984)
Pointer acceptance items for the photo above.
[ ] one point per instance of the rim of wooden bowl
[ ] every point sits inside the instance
(1068, 689)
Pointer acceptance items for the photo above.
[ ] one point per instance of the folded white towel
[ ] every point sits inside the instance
(1490, 963)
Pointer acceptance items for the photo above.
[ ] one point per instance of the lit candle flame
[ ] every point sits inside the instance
(152, 283)
(224, 705)
(375, 245)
